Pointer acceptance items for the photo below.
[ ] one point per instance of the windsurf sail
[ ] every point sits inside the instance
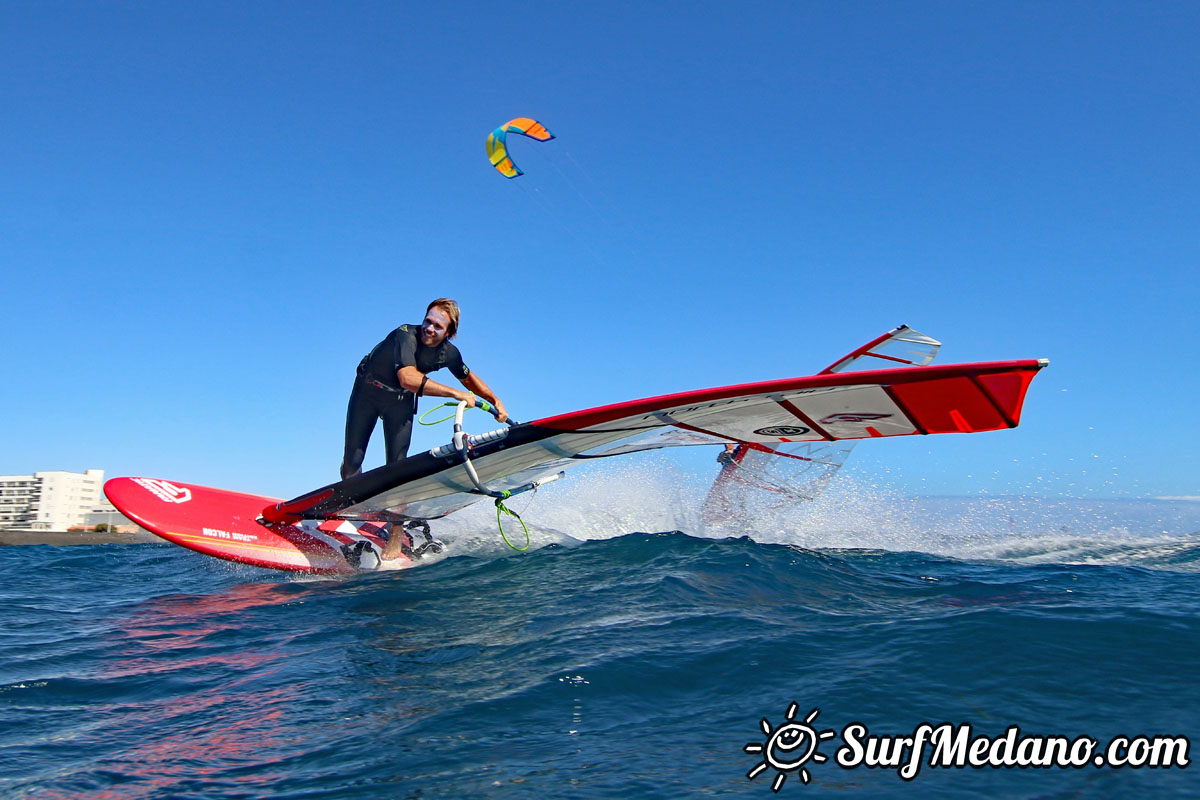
(757, 480)
(822, 408)
(900, 346)
(753, 481)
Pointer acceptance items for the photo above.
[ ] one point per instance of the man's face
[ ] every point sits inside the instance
(433, 329)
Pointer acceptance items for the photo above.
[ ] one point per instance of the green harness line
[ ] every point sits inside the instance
(461, 443)
(500, 524)
(421, 419)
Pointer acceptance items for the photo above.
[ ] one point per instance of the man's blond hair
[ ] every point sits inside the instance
(450, 308)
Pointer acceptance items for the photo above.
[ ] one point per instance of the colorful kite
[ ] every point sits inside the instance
(497, 149)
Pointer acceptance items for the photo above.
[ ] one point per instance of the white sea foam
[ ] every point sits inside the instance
(656, 494)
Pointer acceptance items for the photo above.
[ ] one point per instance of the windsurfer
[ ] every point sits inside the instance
(396, 372)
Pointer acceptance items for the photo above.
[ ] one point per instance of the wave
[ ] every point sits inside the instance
(140, 671)
(613, 502)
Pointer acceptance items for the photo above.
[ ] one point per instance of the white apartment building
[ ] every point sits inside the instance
(50, 501)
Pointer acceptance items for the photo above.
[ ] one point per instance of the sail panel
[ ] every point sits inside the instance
(894, 402)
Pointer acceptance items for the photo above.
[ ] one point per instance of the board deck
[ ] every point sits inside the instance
(226, 525)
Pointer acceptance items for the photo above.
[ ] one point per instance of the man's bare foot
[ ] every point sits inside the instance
(395, 547)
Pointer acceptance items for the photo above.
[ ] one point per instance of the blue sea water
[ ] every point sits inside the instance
(609, 664)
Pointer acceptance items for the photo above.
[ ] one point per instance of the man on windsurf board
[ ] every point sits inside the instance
(396, 372)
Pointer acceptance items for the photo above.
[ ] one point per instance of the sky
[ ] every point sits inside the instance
(210, 212)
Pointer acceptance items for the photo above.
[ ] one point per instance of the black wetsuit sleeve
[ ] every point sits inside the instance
(455, 364)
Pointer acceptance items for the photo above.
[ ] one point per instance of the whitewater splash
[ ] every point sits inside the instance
(659, 495)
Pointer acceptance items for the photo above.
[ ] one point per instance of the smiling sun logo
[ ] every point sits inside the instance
(789, 747)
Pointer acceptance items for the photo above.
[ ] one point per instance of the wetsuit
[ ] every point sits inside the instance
(377, 393)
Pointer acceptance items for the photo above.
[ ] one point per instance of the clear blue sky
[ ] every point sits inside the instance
(209, 212)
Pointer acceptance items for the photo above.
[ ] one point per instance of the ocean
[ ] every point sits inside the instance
(661, 661)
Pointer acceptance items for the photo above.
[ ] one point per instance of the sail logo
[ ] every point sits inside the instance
(165, 490)
(853, 416)
(782, 430)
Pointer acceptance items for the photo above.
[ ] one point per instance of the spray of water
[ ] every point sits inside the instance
(657, 494)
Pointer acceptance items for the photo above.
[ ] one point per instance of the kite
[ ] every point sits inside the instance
(497, 148)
